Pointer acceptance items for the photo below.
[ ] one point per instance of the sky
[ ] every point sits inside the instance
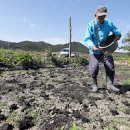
(48, 20)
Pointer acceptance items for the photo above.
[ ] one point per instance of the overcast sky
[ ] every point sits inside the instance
(48, 20)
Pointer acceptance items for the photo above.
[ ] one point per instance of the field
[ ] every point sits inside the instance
(54, 97)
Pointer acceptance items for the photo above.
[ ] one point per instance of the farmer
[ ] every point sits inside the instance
(98, 31)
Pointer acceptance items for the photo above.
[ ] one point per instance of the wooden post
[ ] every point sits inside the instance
(70, 28)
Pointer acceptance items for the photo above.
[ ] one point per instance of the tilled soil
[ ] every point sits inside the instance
(53, 98)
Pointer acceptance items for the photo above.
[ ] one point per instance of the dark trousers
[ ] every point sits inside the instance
(108, 64)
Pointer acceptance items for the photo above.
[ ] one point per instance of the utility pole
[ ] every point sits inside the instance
(70, 28)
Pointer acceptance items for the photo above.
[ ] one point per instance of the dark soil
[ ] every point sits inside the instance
(52, 97)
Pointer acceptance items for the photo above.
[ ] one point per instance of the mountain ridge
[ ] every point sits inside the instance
(42, 46)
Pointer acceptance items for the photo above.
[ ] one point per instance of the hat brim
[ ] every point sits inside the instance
(101, 14)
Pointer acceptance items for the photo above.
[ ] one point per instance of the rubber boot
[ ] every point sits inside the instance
(94, 85)
(110, 85)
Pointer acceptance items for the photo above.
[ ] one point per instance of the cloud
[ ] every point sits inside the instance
(12, 38)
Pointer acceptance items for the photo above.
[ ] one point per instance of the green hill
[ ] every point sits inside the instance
(42, 46)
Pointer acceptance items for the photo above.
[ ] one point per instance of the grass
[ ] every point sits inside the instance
(127, 82)
(117, 122)
(13, 118)
(74, 126)
(2, 104)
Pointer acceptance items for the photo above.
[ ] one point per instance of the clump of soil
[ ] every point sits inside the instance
(25, 123)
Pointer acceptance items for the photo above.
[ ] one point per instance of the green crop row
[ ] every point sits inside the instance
(11, 58)
(30, 60)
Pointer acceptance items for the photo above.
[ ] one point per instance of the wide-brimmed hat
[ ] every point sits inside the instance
(101, 10)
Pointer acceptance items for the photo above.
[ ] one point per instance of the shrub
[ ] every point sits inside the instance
(27, 61)
(59, 62)
(10, 58)
(7, 58)
(78, 60)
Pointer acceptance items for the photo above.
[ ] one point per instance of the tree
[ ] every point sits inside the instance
(126, 40)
